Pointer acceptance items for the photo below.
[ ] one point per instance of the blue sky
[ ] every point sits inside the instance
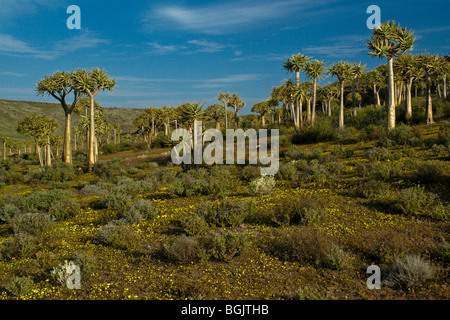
(171, 52)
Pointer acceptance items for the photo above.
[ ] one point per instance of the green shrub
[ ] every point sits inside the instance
(286, 171)
(308, 245)
(441, 212)
(400, 134)
(31, 223)
(337, 150)
(262, 185)
(195, 224)
(116, 234)
(58, 203)
(410, 201)
(322, 130)
(225, 213)
(224, 246)
(377, 154)
(250, 172)
(371, 132)
(370, 189)
(429, 172)
(183, 250)
(8, 209)
(141, 209)
(409, 271)
(19, 286)
(384, 171)
(20, 245)
(93, 190)
(58, 172)
(294, 211)
(117, 201)
(440, 150)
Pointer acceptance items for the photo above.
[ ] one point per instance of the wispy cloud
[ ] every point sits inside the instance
(207, 46)
(343, 46)
(228, 80)
(226, 18)
(164, 49)
(12, 74)
(9, 45)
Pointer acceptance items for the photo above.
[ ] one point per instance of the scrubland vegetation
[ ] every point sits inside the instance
(347, 194)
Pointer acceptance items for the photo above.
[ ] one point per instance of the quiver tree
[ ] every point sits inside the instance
(408, 69)
(357, 73)
(40, 128)
(430, 65)
(262, 108)
(237, 104)
(91, 82)
(225, 99)
(59, 85)
(315, 70)
(388, 41)
(342, 70)
(215, 113)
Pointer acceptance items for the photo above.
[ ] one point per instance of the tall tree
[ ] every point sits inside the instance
(59, 85)
(214, 112)
(315, 70)
(388, 41)
(40, 128)
(357, 73)
(295, 64)
(262, 108)
(342, 70)
(237, 104)
(430, 64)
(225, 99)
(408, 68)
(91, 82)
(166, 115)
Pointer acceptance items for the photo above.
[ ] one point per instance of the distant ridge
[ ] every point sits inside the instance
(11, 111)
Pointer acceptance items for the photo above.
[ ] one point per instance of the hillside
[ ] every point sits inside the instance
(12, 111)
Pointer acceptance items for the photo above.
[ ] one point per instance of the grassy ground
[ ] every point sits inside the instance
(283, 259)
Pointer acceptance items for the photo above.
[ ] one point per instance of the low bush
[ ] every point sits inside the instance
(261, 186)
(195, 224)
(58, 203)
(410, 201)
(117, 201)
(19, 286)
(183, 250)
(293, 211)
(117, 234)
(141, 209)
(250, 172)
(20, 245)
(286, 171)
(431, 171)
(322, 130)
(58, 172)
(377, 154)
(224, 213)
(372, 188)
(31, 223)
(308, 245)
(224, 246)
(409, 271)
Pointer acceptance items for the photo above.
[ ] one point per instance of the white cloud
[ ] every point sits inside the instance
(207, 46)
(14, 47)
(12, 74)
(164, 49)
(231, 79)
(229, 17)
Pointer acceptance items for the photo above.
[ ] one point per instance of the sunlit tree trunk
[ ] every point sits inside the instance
(429, 101)
(391, 91)
(341, 107)
(408, 100)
